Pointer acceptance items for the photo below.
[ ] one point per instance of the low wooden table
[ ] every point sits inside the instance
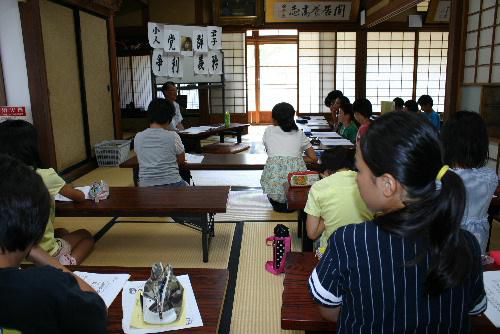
(300, 312)
(192, 141)
(156, 202)
(209, 286)
(242, 161)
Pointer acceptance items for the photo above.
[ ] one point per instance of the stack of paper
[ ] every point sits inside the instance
(492, 287)
(336, 142)
(326, 134)
(197, 129)
(317, 122)
(194, 158)
(107, 285)
(317, 117)
(133, 322)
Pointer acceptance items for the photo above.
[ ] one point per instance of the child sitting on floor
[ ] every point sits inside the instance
(334, 201)
(40, 299)
(18, 139)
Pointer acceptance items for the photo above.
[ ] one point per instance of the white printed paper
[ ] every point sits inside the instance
(200, 41)
(215, 62)
(174, 66)
(326, 134)
(214, 37)
(200, 63)
(128, 301)
(336, 142)
(492, 288)
(172, 43)
(155, 35)
(194, 158)
(317, 122)
(106, 285)
(159, 63)
(197, 129)
(84, 190)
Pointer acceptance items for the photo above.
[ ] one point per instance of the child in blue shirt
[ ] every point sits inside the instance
(426, 103)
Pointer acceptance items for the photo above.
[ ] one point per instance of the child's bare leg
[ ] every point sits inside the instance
(60, 232)
(82, 244)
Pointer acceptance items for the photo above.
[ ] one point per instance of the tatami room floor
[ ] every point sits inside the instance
(253, 297)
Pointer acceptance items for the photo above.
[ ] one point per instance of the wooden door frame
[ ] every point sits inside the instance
(37, 74)
(257, 40)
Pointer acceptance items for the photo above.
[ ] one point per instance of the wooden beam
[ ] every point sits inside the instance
(100, 7)
(113, 73)
(361, 55)
(384, 10)
(31, 24)
(455, 54)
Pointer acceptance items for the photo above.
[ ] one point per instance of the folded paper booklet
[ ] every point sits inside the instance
(133, 319)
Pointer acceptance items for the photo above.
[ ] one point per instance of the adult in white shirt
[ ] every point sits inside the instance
(169, 90)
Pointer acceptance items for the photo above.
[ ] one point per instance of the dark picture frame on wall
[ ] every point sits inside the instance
(238, 12)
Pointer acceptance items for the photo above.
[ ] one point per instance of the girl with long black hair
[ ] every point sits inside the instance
(411, 269)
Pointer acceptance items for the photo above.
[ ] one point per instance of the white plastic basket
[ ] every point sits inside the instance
(112, 152)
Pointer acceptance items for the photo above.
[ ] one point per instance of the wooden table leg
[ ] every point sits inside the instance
(206, 234)
(221, 137)
(307, 244)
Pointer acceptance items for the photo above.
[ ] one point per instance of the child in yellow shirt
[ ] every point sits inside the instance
(334, 201)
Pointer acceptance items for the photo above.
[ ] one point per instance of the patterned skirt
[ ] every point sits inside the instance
(275, 175)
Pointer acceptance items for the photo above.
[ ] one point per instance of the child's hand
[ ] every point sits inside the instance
(72, 193)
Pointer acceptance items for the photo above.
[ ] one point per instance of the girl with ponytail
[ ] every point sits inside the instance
(411, 269)
(285, 145)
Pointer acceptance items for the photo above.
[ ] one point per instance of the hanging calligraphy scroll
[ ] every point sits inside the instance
(311, 11)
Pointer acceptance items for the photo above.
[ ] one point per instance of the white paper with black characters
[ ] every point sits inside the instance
(201, 63)
(159, 63)
(172, 42)
(174, 66)
(200, 40)
(155, 35)
(214, 37)
(215, 62)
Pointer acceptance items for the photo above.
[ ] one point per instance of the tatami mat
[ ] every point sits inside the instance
(257, 300)
(114, 176)
(92, 224)
(251, 205)
(142, 244)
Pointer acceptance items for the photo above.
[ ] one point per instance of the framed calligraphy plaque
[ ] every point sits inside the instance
(439, 12)
(311, 11)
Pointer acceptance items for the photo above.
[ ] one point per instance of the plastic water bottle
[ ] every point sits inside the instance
(227, 119)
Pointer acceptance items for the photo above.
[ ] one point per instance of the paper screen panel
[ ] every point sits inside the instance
(58, 30)
(97, 80)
